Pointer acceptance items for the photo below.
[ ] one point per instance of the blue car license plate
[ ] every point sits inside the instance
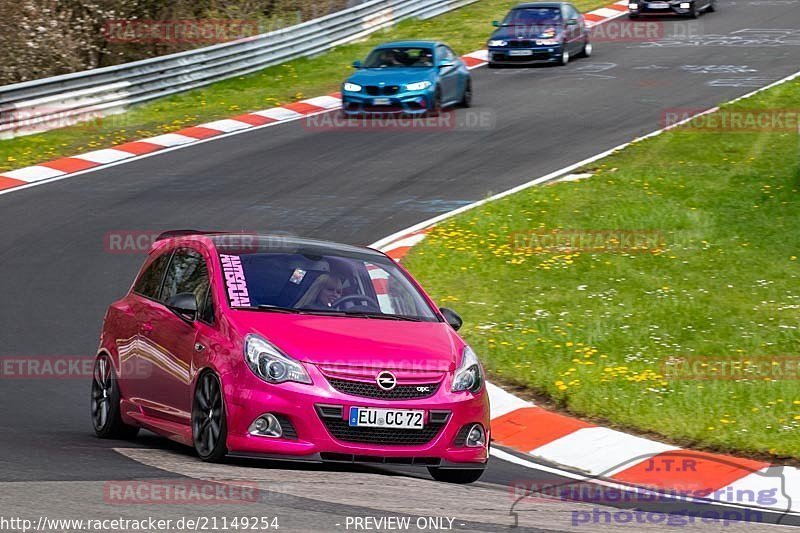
(381, 101)
(386, 418)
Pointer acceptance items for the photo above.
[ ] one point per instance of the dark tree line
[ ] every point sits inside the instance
(41, 38)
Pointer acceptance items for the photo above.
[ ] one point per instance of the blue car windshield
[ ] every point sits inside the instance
(400, 57)
(533, 16)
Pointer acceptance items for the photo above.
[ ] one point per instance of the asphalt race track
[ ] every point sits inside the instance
(351, 186)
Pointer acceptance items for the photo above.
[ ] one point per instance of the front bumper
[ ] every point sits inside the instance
(536, 54)
(314, 438)
(402, 103)
(670, 7)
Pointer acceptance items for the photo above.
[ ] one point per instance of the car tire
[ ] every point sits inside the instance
(712, 6)
(209, 423)
(456, 475)
(564, 59)
(587, 49)
(693, 11)
(466, 99)
(436, 107)
(105, 407)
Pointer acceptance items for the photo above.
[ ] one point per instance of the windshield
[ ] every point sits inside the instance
(400, 57)
(533, 16)
(369, 286)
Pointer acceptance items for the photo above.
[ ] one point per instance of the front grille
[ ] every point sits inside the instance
(347, 458)
(287, 428)
(371, 390)
(520, 44)
(341, 430)
(385, 90)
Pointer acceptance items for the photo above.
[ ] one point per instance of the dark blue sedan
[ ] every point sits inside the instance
(538, 32)
(408, 77)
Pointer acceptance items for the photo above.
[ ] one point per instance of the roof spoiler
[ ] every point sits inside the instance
(170, 234)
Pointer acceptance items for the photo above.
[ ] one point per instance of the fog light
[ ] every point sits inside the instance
(633, 7)
(266, 425)
(685, 5)
(476, 437)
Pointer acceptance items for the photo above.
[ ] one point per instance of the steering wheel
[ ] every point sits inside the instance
(371, 304)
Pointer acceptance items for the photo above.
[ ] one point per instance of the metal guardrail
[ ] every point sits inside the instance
(49, 103)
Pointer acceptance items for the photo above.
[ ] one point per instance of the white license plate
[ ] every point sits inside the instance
(520, 52)
(657, 5)
(381, 101)
(386, 418)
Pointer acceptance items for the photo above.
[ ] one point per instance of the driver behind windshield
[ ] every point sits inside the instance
(325, 290)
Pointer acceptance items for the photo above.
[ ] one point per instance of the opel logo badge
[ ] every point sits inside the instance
(386, 380)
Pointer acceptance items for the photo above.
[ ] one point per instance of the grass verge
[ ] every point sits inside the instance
(465, 29)
(604, 330)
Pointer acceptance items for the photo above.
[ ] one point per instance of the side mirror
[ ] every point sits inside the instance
(446, 64)
(572, 22)
(184, 304)
(496, 23)
(356, 64)
(452, 318)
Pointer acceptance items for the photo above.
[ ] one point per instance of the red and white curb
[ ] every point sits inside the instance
(599, 452)
(67, 166)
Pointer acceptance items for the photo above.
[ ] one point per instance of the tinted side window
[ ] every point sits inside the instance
(187, 272)
(150, 281)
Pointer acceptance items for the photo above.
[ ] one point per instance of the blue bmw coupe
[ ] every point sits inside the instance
(407, 77)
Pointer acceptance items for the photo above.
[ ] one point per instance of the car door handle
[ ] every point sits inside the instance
(146, 327)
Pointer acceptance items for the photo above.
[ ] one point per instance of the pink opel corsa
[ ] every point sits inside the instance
(266, 346)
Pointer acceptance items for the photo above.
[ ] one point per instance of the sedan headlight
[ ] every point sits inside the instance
(352, 87)
(419, 86)
(497, 42)
(548, 42)
(469, 376)
(270, 364)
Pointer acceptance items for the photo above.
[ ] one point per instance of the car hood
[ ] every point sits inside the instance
(545, 31)
(358, 342)
(392, 76)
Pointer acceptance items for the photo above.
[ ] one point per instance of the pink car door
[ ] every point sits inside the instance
(135, 368)
(168, 338)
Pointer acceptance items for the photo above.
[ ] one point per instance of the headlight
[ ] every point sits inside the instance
(270, 364)
(419, 86)
(548, 42)
(469, 375)
(634, 7)
(352, 87)
(497, 42)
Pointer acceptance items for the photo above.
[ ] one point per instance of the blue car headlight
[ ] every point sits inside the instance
(497, 42)
(548, 42)
(352, 87)
(418, 86)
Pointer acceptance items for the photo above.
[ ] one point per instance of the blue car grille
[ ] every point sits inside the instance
(520, 44)
(385, 90)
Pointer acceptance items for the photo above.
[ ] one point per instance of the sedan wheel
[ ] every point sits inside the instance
(564, 57)
(466, 99)
(587, 49)
(106, 418)
(209, 428)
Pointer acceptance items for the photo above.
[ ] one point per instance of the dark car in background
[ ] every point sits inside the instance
(536, 32)
(688, 8)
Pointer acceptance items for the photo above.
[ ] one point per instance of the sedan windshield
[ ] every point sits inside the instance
(533, 16)
(400, 57)
(301, 282)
